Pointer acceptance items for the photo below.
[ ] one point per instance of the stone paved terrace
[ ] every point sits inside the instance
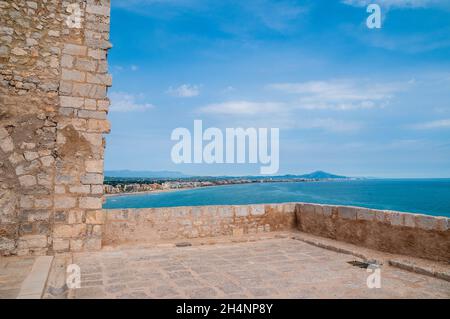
(271, 268)
(13, 271)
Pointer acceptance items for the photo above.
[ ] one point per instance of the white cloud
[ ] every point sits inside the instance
(275, 114)
(397, 3)
(134, 67)
(444, 123)
(185, 90)
(276, 15)
(340, 94)
(329, 124)
(126, 102)
(243, 108)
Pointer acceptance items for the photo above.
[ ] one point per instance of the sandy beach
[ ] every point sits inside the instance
(149, 192)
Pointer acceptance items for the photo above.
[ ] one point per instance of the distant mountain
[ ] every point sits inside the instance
(175, 174)
(144, 174)
(321, 175)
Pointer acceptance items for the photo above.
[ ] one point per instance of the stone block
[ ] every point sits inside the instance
(38, 215)
(72, 102)
(16, 158)
(380, 216)
(83, 64)
(80, 189)
(67, 61)
(43, 203)
(95, 217)
(90, 202)
(289, 208)
(54, 33)
(29, 156)
(26, 201)
(347, 212)
(241, 211)
(122, 215)
(105, 79)
(97, 189)
(32, 241)
(97, 54)
(95, 139)
(3, 133)
(92, 179)
(47, 161)
(60, 189)
(7, 145)
(90, 114)
(81, 89)
(7, 244)
(27, 180)
(93, 243)
(196, 212)
(394, 218)
(90, 104)
(97, 231)
(101, 126)
(441, 223)
(307, 208)
(225, 211)
(69, 231)
(327, 210)
(409, 220)
(60, 217)
(75, 216)
(64, 202)
(103, 105)
(60, 244)
(73, 75)
(76, 244)
(98, 10)
(18, 51)
(425, 222)
(74, 49)
(257, 210)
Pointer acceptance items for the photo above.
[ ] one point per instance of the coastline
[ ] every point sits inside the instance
(168, 190)
(149, 192)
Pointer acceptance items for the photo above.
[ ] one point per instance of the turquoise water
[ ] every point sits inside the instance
(427, 196)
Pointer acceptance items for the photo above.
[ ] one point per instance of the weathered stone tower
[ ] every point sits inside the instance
(53, 108)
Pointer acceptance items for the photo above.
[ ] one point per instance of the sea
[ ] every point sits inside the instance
(425, 196)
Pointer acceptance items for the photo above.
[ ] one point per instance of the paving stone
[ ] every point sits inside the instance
(302, 271)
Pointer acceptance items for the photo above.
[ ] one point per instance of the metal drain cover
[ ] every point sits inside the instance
(183, 244)
(360, 264)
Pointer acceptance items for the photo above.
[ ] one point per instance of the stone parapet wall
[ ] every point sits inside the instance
(393, 232)
(389, 231)
(178, 223)
(53, 107)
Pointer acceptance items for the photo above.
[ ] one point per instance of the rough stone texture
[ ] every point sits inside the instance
(53, 106)
(394, 232)
(162, 224)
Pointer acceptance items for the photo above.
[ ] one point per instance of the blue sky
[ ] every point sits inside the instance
(347, 99)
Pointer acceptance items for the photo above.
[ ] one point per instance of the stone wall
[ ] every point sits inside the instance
(389, 231)
(53, 106)
(178, 223)
(394, 232)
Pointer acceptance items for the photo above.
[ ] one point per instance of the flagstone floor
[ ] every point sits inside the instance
(13, 271)
(275, 268)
